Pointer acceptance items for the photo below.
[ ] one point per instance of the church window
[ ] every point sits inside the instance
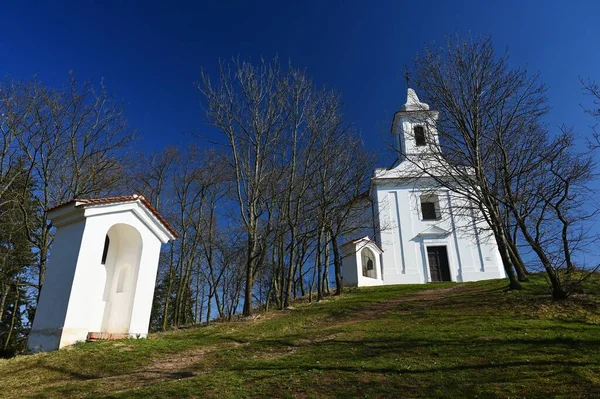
(105, 251)
(430, 207)
(419, 135)
(368, 263)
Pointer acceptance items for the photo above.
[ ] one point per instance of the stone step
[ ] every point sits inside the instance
(97, 336)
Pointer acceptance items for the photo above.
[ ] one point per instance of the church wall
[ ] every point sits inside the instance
(399, 257)
(482, 260)
(405, 251)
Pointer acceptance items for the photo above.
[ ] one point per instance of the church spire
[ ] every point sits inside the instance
(413, 103)
(414, 126)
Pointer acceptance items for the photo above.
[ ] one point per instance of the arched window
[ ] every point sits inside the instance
(105, 251)
(368, 263)
(419, 136)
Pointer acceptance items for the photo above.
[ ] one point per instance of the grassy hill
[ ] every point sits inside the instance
(446, 340)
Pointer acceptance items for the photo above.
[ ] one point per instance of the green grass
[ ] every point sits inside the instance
(446, 340)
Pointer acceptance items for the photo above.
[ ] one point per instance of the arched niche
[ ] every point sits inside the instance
(123, 249)
(368, 263)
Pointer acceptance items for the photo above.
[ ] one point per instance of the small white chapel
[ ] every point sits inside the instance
(102, 271)
(417, 235)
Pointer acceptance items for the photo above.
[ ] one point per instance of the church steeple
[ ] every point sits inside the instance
(413, 103)
(414, 126)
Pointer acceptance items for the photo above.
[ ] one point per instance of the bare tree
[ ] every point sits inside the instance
(294, 163)
(482, 103)
(498, 157)
(74, 141)
(249, 105)
(592, 89)
(12, 113)
(342, 177)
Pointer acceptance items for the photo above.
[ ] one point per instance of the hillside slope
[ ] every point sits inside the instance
(447, 340)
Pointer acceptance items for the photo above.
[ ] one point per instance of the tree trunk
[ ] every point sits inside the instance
(292, 268)
(319, 266)
(165, 323)
(13, 317)
(508, 267)
(558, 291)
(517, 262)
(326, 264)
(250, 268)
(339, 284)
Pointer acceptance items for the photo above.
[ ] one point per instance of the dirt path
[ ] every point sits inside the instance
(427, 297)
(169, 367)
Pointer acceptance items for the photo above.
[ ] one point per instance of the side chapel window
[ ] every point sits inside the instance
(105, 251)
(419, 136)
(368, 263)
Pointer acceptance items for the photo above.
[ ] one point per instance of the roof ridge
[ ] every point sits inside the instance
(117, 199)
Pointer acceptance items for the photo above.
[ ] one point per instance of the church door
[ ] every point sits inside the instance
(438, 263)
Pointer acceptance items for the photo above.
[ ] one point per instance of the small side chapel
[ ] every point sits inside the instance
(101, 273)
(417, 235)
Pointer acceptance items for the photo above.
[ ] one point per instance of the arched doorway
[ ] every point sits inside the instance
(121, 261)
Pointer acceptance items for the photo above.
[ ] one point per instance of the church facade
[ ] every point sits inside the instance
(421, 232)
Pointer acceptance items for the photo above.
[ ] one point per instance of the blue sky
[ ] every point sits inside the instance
(150, 53)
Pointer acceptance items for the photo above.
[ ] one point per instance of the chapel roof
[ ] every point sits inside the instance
(365, 239)
(85, 202)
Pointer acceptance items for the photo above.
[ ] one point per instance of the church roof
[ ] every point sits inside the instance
(83, 202)
(413, 103)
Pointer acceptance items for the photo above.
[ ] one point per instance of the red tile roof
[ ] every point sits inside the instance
(113, 200)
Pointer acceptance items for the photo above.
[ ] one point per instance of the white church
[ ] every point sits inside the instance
(417, 235)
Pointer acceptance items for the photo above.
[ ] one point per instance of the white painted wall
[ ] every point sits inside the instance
(404, 258)
(352, 264)
(50, 314)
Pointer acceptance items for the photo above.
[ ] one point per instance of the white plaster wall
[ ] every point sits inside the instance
(144, 289)
(400, 257)
(349, 268)
(352, 265)
(122, 264)
(405, 252)
(368, 281)
(49, 319)
(403, 131)
(90, 287)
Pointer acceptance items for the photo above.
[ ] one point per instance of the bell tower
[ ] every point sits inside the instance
(414, 127)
